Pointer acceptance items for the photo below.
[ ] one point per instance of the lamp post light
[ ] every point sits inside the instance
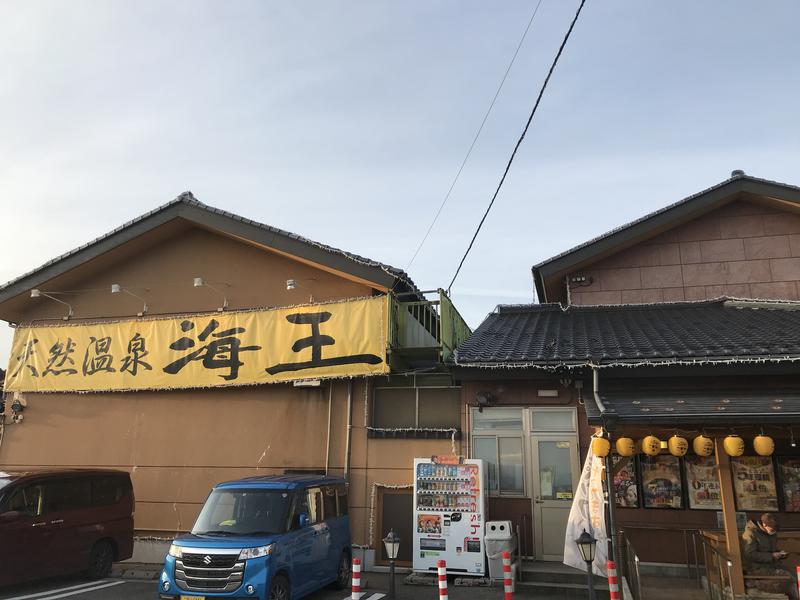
(587, 545)
(392, 544)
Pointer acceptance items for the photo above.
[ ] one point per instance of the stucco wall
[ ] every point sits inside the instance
(744, 249)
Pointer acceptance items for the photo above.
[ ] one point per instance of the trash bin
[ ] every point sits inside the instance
(499, 538)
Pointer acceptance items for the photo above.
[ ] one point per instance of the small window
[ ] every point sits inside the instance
(26, 501)
(395, 408)
(485, 448)
(341, 500)
(553, 420)
(497, 418)
(67, 494)
(505, 469)
(439, 407)
(329, 502)
(314, 499)
(416, 408)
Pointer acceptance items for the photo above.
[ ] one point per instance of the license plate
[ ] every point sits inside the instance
(193, 598)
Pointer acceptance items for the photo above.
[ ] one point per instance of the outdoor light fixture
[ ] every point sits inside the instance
(117, 289)
(587, 546)
(200, 282)
(37, 293)
(392, 545)
(291, 284)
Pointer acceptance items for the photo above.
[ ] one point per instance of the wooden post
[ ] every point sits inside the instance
(729, 516)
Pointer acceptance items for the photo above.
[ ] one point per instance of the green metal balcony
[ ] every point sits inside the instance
(424, 333)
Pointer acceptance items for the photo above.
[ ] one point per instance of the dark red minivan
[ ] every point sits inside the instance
(64, 521)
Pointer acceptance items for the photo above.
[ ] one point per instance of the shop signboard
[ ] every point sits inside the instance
(625, 482)
(754, 483)
(790, 482)
(661, 482)
(338, 339)
(702, 482)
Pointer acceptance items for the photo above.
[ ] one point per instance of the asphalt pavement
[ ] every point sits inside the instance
(76, 588)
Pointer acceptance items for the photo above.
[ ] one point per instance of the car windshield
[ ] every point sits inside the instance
(243, 512)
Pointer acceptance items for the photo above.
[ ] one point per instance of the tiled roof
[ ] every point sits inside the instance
(712, 331)
(188, 199)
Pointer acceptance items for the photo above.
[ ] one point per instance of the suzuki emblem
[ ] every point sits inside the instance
(207, 559)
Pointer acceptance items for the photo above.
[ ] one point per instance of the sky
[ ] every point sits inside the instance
(346, 122)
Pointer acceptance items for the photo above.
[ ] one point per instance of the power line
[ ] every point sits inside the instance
(519, 142)
(477, 135)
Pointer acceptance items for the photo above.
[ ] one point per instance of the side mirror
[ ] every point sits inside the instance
(303, 520)
(11, 515)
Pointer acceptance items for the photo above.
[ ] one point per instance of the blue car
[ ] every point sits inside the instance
(271, 538)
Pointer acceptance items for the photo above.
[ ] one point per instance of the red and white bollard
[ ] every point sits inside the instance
(798, 578)
(356, 593)
(613, 581)
(508, 582)
(441, 567)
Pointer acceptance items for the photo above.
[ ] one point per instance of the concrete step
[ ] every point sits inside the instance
(549, 572)
(561, 590)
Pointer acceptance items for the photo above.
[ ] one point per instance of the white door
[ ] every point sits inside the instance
(555, 470)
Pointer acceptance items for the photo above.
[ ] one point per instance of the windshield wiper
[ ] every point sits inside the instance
(215, 532)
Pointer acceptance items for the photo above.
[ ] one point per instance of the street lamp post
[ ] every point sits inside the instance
(586, 545)
(392, 544)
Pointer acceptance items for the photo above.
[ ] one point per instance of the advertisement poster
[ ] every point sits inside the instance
(790, 481)
(702, 481)
(625, 488)
(429, 523)
(754, 483)
(661, 482)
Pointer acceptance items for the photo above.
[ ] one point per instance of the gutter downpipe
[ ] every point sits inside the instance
(328, 443)
(348, 442)
(612, 496)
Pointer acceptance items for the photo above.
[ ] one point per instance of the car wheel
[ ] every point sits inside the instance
(343, 572)
(100, 560)
(279, 590)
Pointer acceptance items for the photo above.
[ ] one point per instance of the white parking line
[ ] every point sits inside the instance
(69, 591)
(363, 596)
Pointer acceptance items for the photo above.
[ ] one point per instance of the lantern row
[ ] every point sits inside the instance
(678, 446)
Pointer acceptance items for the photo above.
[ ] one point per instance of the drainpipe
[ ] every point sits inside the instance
(612, 496)
(349, 430)
(328, 443)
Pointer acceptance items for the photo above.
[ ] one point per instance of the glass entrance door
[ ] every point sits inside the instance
(556, 470)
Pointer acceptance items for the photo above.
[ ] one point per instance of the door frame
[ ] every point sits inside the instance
(377, 543)
(533, 473)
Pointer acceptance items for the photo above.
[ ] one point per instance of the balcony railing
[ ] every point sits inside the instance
(426, 327)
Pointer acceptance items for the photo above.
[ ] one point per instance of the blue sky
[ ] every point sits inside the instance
(346, 121)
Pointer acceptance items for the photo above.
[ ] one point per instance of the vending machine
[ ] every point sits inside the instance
(449, 515)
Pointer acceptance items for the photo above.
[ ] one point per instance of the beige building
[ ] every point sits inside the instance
(186, 258)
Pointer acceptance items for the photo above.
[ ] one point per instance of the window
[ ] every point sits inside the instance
(416, 408)
(67, 494)
(329, 502)
(497, 418)
(109, 490)
(504, 466)
(546, 419)
(26, 501)
(341, 500)
(314, 505)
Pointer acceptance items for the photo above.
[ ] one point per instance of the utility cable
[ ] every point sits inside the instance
(519, 142)
(477, 135)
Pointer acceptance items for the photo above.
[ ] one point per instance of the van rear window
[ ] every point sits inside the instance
(108, 490)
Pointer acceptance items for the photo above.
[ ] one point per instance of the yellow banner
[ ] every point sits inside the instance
(340, 339)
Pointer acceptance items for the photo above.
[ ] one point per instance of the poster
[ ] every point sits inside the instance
(625, 482)
(337, 339)
(702, 483)
(754, 483)
(661, 482)
(790, 482)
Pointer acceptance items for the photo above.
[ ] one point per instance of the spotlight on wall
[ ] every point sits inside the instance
(118, 289)
(483, 399)
(37, 293)
(200, 282)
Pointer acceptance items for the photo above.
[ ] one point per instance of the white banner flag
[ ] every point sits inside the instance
(588, 512)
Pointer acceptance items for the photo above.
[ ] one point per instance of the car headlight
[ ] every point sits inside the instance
(175, 551)
(258, 552)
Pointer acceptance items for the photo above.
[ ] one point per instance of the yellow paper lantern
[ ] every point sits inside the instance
(678, 446)
(764, 445)
(625, 446)
(601, 447)
(734, 445)
(651, 445)
(703, 446)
